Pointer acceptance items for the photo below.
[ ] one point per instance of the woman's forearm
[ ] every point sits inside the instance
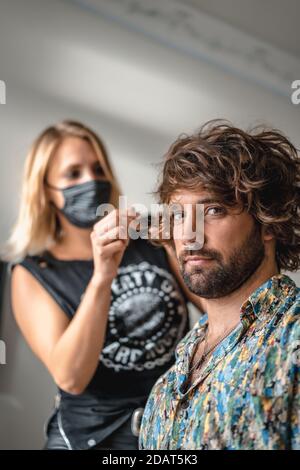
(75, 356)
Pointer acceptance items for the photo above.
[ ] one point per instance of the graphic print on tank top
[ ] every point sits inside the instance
(147, 318)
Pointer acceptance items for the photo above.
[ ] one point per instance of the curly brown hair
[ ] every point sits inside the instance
(259, 170)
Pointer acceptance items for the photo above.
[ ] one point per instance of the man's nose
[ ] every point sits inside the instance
(193, 230)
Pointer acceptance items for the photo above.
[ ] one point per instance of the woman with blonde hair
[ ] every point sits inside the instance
(103, 312)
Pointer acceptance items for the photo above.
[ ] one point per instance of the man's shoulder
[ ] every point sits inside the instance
(289, 326)
(287, 298)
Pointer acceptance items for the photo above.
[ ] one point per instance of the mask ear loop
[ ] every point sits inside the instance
(52, 203)
(55, 188)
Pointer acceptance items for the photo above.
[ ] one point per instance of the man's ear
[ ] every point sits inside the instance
(267, 233)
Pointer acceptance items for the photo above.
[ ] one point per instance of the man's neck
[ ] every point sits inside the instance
(224, 313)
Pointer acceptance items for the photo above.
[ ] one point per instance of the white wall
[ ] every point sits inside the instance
(59, 61)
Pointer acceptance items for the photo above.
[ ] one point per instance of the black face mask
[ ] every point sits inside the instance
(82, 200)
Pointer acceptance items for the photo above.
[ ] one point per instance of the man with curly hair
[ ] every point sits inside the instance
(235, 383)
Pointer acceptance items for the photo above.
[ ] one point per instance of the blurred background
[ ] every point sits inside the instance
(139, 72)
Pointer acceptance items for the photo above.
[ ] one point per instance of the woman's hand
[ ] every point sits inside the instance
(109, 240)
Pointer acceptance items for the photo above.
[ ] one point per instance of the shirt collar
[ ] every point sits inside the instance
(266, 299)
(262, 302)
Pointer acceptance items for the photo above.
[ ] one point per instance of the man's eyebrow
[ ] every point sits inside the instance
(204, 200)
(207, 200)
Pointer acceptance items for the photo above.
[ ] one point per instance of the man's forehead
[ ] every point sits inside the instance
(191, 197)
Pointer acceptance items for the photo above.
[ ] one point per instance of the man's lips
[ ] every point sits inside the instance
(198, 260)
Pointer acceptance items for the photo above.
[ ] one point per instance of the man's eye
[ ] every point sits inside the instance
(216, 210)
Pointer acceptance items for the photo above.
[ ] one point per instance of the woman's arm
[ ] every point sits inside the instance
(70, 349)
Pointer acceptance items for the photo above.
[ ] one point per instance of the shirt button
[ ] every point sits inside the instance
(91, 442)
(185, 403)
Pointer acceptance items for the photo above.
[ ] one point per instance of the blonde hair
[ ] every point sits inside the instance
(37, 226)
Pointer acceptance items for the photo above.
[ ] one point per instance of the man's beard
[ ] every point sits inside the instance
(221, 280)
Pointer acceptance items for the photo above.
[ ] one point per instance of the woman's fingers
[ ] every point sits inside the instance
(107, 251)
(113, 219)
(110, 236)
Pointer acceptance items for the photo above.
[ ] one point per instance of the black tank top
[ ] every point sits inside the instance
(147, 318)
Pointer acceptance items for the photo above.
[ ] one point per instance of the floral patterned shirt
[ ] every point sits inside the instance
(248, 393)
